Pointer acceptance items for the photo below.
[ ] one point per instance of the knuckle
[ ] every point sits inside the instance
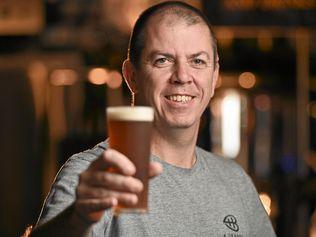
(79, 191)
(131, 185)
(129, 198)
(126, 183)
(96, 193)
(106, 178)
(107, 155)
(135, 185)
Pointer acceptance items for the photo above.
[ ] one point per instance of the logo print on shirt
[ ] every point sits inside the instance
(231, 222)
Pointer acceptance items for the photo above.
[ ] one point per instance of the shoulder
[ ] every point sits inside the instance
(229, 172)
(80, 161)
(68, 174)
(89, 155)
(63, 189)
(226, 169)
(219, 162)
(241, 186)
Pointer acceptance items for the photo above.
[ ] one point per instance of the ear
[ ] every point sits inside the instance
(128, 70)
(215, 75)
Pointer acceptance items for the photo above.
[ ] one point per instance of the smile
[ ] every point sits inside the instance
(180, 98)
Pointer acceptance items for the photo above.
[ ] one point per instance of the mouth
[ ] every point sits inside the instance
(179, 98)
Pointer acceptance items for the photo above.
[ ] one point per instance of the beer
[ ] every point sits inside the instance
(130, 132)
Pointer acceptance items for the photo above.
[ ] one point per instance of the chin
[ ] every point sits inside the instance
(181, 124)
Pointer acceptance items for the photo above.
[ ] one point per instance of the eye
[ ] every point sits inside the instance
(199, 63)
(162, 62)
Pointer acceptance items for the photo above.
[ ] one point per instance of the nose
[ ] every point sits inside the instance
(181, 74)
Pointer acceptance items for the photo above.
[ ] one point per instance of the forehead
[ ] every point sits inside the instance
(174, 32)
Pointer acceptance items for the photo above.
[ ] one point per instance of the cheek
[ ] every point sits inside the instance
(204, 82)
(153, 81)
(147, 88)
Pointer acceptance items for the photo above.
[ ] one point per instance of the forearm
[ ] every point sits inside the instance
(67, 223)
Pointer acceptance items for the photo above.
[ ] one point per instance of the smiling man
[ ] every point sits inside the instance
(172, 66)
(176, 75)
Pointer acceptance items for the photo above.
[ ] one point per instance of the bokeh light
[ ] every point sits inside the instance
(230, 109)
(63, 77)
(115, 79)
(263, 102)
(37, 70)
(98, 76)
(266, 202)
(247, 80)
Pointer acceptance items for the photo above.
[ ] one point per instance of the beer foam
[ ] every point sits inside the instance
(131, 113)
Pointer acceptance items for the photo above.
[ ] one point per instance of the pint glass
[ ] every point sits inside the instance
(129, 130)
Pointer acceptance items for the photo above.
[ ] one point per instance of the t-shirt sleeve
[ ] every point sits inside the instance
(259, 221)
(63, 190)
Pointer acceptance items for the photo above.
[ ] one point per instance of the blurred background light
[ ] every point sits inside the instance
(38, 73)
(225, 37)
(266, 202)
(312, 230)
(231, 124)
(216, 107)
(265, 40)
(123, 13)
(98, 76)
(37, 70)
(263, 102)
(63, 77)
(311, 109)
(247, 80)
(114, 79)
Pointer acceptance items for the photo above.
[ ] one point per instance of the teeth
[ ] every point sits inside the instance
(179, 98)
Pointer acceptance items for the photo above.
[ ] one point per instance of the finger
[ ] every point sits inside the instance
(112, 158)
(99, 196)
(155, 168)
(113, 181)
(85, 206)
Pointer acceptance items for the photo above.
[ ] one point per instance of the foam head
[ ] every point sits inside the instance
(129, 113)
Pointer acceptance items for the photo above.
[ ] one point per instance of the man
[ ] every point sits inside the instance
(172, 66)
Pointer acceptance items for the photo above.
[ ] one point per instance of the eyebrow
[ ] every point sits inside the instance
(168, 55)
(200, 53)
(157, 52)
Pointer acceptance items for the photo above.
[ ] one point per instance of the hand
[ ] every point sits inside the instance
(107, 181)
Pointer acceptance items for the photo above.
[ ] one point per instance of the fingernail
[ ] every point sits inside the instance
(140, 187)
(134, 199)
(132, 169)
(114, 202)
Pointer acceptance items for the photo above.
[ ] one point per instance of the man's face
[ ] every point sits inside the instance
(176, 75)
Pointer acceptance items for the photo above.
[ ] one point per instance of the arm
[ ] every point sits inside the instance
(98, 189)
(67, 223)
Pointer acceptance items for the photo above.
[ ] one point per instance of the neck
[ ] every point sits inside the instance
(176, 146)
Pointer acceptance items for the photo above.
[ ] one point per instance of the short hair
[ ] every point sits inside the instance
(184, 11)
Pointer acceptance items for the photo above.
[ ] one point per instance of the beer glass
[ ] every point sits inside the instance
(129, 130)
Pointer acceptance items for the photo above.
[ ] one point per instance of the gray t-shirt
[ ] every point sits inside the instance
(214, 198)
